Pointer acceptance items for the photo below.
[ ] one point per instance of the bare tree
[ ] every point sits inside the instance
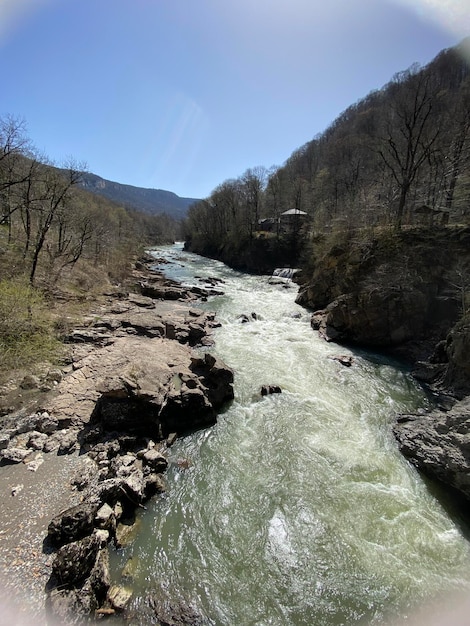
(253, 183)
(54, 187)
(14, 145)
(459, 283)
(409, 131)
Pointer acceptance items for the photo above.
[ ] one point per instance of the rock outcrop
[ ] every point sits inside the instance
(389, 290)
(405, 292)
(384, 317)
(438, 444)
(133, 384)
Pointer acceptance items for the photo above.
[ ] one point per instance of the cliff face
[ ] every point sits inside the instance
(407, 291)
(390, 290)
(256, 255)
(457, 374)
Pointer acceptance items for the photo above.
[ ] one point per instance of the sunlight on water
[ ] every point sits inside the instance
(297, 507)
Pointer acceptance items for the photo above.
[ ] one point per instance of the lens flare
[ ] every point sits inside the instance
(177, 138)
(451, 15)
(12, 12)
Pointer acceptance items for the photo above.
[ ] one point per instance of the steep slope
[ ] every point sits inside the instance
(391, 289)
(148, 200)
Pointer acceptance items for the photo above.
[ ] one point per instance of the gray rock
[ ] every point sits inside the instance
(174, 613)
(122, 466)
(100, 579)
(133, 486)
(46, 424)
(35, 463)
(105, 517)
(52, 444)
(65, 605)
(170, 440)
(119, 597)
(54, 375)
(216, 377)
(84, 476)
(155, 460)
(30, 382)
(103, 536)
(26, 424)
(74, 561)
(37, 440)
(68, 442)
(270, 389)
(79, 583)
(125, 534)
(74, 523)
(14, 455)
(4, 440)
(438, 443)
(153, 483)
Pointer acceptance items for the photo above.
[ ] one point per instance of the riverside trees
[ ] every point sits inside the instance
(55, 237)
(48, 223)
(398, 157)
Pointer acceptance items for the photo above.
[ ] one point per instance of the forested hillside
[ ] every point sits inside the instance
(151, 201)
(57, 242)
(398, 157)
(49, 223)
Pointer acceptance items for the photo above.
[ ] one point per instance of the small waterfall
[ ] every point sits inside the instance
(282, 274)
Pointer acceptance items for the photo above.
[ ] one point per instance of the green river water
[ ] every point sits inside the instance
(297, 508)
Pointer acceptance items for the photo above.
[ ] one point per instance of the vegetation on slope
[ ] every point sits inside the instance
(58, 243)
(138, 198)
(399, 157)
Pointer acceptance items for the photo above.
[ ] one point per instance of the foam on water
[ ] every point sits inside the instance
(297, 508)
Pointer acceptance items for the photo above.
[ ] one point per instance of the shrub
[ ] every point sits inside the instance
(26, 331)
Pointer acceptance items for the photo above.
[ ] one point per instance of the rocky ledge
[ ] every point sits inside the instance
(132, 385)
(405, 292)
(438, 444)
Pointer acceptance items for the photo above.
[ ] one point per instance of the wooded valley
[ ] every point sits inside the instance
(397, 158)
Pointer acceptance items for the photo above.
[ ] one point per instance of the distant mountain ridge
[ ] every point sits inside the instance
(148, 200)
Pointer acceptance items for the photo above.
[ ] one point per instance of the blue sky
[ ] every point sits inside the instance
(184, 94)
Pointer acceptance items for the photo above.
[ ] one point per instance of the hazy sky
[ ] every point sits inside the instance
(184, 94)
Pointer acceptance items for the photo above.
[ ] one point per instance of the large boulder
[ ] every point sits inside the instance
(79, 582)
(74, 561)
(382, 317)
(438, 444)
(155, 460)
(169, 290)
(73, 524)
(200, 391)
(13, 454)
(216, 377)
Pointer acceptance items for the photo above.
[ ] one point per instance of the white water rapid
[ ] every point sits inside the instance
(297, 508)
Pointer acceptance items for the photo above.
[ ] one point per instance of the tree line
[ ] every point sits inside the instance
(400, 156)
(49, 224)
(56, 240)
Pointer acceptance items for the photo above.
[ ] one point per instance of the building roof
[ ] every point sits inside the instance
(294, 212)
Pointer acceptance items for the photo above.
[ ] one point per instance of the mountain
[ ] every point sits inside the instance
(148, 200)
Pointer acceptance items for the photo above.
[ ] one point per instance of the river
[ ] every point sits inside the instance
(296, 508)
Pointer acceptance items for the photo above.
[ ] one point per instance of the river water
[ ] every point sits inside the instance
(296, 508)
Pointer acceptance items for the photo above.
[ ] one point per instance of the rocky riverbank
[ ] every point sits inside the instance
(438, 442)
(406, 292)
(88, 448)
